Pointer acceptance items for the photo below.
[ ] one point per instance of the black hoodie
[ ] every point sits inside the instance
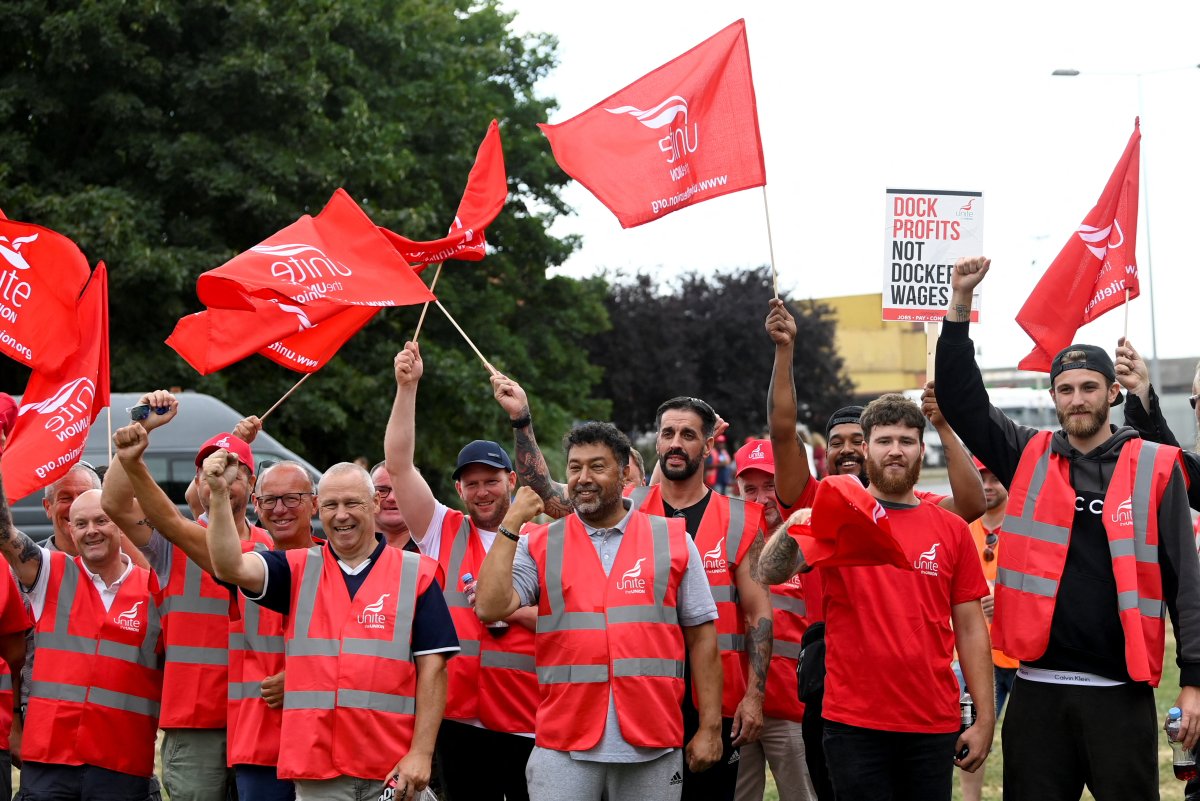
(1085, 633)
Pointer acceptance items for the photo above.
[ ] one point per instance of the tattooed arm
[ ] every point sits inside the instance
(781, 557)
(755, 604)
(967, 275)
(530, 463)
(21, 552)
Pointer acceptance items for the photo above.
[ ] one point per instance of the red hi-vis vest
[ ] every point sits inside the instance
(1037, 530)
(9, 588)
(789, 612)
(726, 532)
(196, 612)
(255, 653)
(97, 679)
(350, 689)
(620, 630)
(492, 678)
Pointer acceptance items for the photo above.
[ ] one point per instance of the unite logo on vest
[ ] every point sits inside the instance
(372, 616)
(794, 581)
(1123, 514)
(926, 562)
(631, 581)
(128, 620)
(714, 560)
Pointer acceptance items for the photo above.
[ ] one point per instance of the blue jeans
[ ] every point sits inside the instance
(871, 765)
(262, 783)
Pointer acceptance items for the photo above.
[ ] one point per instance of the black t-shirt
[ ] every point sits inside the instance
(692, 515)
(1091, 641)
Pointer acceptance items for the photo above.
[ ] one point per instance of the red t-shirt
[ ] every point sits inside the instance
(888, 639)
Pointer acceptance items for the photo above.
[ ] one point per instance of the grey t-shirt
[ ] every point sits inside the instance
(694, 606)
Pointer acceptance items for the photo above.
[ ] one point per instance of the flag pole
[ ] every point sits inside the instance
(425, 308)
(286, 395)
(453, 322)
(770, 244)
(933, 329)
(1126, 335)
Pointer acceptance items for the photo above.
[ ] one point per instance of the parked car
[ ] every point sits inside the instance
(171, 455)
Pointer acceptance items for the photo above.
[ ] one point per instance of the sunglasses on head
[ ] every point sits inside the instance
(989, 543)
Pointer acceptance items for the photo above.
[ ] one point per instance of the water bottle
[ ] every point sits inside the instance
(1184, 759)
(389, 792)
(966, 711)
(498, 627)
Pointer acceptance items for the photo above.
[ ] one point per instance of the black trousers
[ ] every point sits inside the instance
(1059, 738)
(481, 765)
(45, 782)
(813, 729)
(872, 765)
(719, 782)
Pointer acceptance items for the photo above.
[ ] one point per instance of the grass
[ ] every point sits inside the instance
(1170, 788)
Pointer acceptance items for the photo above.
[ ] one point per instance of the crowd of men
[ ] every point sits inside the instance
(615, 636)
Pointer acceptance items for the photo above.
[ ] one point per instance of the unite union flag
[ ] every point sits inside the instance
(685, 133)
(58, 407)
(1094, 270)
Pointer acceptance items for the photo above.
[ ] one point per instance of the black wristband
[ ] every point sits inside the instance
(522, 421)
(507, 533)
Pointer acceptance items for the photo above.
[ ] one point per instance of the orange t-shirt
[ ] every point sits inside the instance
(979, 534)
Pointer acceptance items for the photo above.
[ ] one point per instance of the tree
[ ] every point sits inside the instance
(704, 337)
(166, 136)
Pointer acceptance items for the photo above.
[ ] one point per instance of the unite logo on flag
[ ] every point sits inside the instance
(68, 408)
(639, 151)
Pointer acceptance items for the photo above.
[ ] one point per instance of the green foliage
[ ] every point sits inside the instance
(705, 337)
(165, 137)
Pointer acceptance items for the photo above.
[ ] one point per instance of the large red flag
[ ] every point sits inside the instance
(41, 276)
(338, 256)
(300, 337)
(58, 409)
(487, 189)
(1093, 272)
(685, 133)
(848, 527)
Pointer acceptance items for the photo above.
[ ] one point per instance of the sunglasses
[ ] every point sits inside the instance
(989, 542)
(1192, 400)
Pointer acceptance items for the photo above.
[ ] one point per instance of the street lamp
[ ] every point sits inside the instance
(1155, 368)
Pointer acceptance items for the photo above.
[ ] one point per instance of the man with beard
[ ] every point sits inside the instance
(729, 534)
(890, 707)
(609, 654)
(487, 734)
(1097, 542)
(390, 521)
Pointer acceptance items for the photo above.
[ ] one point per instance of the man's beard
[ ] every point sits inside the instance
(889, 484)
(600, 505)
(834, 469)
(1083, 427)
(688, 470)
(499, 510)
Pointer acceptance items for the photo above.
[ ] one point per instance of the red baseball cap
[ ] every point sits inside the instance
(980, 466)
(231, 443)
(756, 454)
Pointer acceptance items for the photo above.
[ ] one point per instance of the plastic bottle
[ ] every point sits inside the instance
(1184, 760)
(966, 709)
(498, 627)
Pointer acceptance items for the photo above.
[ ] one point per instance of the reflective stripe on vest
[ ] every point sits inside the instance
(397, 648)
(454, 598)
(190, 600)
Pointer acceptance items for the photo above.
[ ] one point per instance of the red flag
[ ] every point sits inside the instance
(58, 409)
(487, 189)
(1093, 271)
(338, 256)
(300, 337)
(848, 527)
(685, 133)
(42, 274)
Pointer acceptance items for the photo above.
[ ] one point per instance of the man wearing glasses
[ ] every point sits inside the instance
(487, 734)
(390, 520)
(196, 610)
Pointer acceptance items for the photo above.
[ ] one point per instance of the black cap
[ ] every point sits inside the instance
(846, 414)
(482, 451)
(1085, 357)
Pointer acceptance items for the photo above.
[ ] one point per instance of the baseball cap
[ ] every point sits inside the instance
(980, 466)
(1085, 357)
(756, 454)
(846, 414)
(230, 443)
(482, 451)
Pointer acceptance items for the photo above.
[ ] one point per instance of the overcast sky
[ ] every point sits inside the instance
(857, 97)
